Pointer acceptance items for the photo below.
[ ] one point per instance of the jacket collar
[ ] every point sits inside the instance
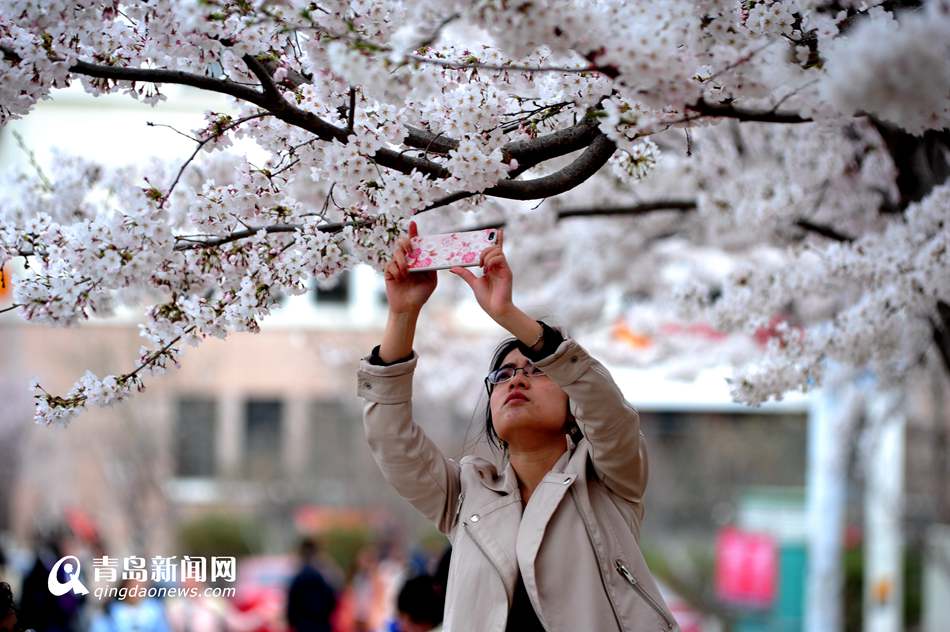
(504, 483)
(571, 463)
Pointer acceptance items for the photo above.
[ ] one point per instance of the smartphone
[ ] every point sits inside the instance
(448, 250)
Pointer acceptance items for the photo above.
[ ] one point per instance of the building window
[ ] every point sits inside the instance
(338, 293)
(263, 420)
(195, 429)
(333, 436)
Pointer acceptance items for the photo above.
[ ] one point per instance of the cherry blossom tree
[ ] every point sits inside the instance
(807, 139)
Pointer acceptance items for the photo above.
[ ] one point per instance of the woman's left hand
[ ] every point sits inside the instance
(493, 289)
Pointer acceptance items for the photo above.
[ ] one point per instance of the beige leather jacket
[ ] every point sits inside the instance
(576, 542)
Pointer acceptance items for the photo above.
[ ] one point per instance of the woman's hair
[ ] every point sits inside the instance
(503, 349)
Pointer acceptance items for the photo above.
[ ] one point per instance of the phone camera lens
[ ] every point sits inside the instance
(491, 236)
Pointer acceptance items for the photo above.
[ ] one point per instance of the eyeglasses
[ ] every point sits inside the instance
(506, 373)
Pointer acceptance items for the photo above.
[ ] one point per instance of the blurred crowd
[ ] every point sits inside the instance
(383, 591)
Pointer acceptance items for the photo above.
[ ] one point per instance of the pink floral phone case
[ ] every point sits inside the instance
(447, 250)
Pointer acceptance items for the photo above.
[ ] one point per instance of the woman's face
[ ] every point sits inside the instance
(536, 414)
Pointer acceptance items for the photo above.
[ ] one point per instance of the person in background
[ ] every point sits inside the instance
(39, 608)
(310, 599)
(8, 620)
(390, 571)
(131, 610)
(204, 612)
(441, 573)
(419, 605)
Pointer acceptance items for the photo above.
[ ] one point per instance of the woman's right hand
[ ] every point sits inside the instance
(407, 291)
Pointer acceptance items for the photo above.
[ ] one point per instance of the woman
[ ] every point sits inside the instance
(548, 541)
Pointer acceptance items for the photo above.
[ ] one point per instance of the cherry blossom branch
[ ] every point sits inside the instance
(476, 65)
(637, 209)
(351, 117)
(194, 242)
(155, 355)
(201, 143)
(727, 110)
(121, 380)
(528, 153)
(548, 111)
(33, 163)
(189, 243)
(10, 308)
(268, 99)
(921, 161)
(653, 206)
(583, 167)
(823, 230)
(267, 81)
(740, 61)
(643, 208)
(155, 75)
(470, 63)
(629, 211)
(174, 129)
(599, 150)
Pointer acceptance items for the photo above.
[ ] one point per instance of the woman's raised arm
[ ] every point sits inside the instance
(408, 459)
(610, 423)
(406, 293)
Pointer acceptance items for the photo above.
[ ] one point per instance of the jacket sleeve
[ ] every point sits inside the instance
(408, 459)
(607, 420)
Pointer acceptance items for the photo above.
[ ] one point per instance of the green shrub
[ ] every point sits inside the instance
(343, 544)
(219, 534)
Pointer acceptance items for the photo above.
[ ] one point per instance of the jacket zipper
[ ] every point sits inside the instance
(626, 574)
(603, 580)
(490, 561)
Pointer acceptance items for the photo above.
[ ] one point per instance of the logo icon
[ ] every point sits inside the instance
(72, 577)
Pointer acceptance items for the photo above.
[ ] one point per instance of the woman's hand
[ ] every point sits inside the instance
(493, 289)
(407, 291)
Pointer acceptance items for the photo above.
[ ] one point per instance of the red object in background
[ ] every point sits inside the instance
(699, 330)
(764, 334)
(621, 331)
(82, 524)
(746, 568)
(262, 588)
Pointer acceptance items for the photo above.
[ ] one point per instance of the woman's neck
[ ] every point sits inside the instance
(531, 464)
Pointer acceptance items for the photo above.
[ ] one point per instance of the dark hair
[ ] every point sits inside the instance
(308, 547)
(505, 347)
(7, 604)
(441, 575)
(421, 600)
